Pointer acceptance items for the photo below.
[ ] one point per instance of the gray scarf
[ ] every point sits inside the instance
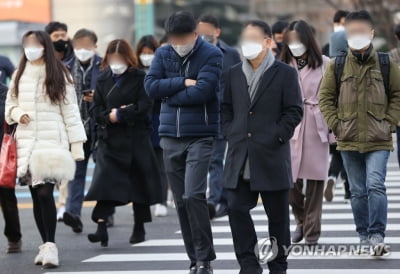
(253, 76)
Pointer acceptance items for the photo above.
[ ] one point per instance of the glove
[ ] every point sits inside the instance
(77, 151)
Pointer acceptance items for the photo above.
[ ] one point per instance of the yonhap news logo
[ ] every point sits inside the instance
(267, 250)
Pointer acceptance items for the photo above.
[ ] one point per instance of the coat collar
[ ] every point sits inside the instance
(265, 81)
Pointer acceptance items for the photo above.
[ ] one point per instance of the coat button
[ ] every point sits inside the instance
(249, 134)
(250, 113)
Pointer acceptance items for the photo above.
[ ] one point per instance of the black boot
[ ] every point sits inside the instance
(101, 235)
(138, 234)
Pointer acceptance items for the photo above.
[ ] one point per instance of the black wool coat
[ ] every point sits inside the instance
(126, 167)
(261, 129)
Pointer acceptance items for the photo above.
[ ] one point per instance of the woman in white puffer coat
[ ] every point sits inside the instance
(49, 134)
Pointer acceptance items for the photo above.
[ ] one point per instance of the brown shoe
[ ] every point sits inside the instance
(14, 247)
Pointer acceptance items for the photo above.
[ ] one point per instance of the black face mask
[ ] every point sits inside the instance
(60, 45)
(279, 45)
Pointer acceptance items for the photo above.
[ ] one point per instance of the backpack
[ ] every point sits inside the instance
(384, 63)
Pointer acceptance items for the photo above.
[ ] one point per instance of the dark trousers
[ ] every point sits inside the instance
(164, 182)
(217, 192)
(105, 209)
(276, 205)
(76, 187)
(8, 203)
(336, 165)
(307, 208)
(186, 164)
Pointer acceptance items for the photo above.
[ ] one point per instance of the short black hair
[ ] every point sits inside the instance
(210, 19)
(361, 15)
(86, 33)
(180, 23)
(397, 31)
(260, 24)
(339, 15)
(279, 27)
(55, 26)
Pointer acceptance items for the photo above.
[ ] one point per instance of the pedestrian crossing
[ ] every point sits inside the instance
(167, 255)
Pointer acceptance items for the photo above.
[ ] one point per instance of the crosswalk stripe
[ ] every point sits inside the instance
(392, 191)
(145, 257)
(230, 271)
(324, 227)
(335, 206)
(229, 241)
(325, 216)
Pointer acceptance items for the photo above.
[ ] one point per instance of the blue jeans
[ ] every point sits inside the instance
(76, 187)
(216, 170)
(366, 174)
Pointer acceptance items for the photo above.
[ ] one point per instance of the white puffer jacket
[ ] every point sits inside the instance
(44, 144)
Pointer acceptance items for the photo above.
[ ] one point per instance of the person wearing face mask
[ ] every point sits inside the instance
(62, 44)
(50, 134)
(185, 76)
(145, 51)
(309, 145)
(277, 32)
(126, 167)
(58, 33)
(208, 28)
(261, 108)
(361, 104)
(85, 70)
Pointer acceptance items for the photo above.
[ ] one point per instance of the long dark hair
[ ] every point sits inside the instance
(306, 36)
(147, 41)
(57, 75)
(122, 47)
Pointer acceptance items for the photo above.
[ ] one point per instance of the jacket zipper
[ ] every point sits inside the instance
(178, 114)
(178, 110)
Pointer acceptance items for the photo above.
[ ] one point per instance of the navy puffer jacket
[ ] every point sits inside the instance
(186, 111)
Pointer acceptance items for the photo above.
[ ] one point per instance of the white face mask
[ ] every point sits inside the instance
(297, 49)
(183, 50)
(251, 50)
(338, 28)
(359, 41)
(118, 68)
(33, 53)
(84, 55)
(146, 59)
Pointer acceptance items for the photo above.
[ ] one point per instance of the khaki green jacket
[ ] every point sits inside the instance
(362, 117)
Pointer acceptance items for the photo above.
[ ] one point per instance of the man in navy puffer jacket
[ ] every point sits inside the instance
(185, 76)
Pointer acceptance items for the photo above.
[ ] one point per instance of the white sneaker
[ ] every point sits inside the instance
(329, 191)
(39, 257)
(50, 255)
(60, 214)
(160, 210)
